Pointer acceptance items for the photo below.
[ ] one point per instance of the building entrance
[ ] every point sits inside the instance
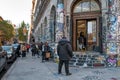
(86, 17)
(86, 34)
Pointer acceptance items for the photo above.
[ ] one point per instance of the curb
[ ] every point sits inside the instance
(9, 71)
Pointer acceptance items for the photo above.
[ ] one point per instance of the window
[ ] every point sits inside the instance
(86, 6)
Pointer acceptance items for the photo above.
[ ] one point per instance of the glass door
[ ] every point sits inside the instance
(81, 28)
(91, 35)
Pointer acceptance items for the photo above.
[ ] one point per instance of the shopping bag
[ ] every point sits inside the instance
(47, 54)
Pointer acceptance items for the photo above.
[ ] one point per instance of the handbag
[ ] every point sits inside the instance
(47, 54)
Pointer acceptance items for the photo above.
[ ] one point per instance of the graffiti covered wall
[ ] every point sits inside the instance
(60, 20)
(112, 27)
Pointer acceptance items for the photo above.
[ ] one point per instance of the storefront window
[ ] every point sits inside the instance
(86, 6)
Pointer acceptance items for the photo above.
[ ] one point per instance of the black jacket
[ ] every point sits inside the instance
(64, 50)
(47, 48)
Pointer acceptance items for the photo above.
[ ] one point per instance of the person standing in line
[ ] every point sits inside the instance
(47, 51)
(43, 52)
(40, 47)
(33, 49)
(23, 50)
(27, 46)
(64, 51)
(37, 50)
(18, 50)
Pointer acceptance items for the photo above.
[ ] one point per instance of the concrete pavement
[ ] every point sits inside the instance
(31, 68)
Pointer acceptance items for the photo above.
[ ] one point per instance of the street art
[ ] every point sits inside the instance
(111, 62)
(112, 32)
(104, 28)
(60, 25)
(111, 37)
(113, 23)
(104, 47)
(112, 48)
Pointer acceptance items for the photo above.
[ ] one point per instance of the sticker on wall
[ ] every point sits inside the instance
(118, 50)
(111, 37)
(113, 19)
(112, 48)
(118, 37)
(104, 47)
(112, 29)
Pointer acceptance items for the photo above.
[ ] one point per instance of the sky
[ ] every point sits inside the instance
(16, 10)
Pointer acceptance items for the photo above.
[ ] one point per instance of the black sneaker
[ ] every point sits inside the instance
(68, 74)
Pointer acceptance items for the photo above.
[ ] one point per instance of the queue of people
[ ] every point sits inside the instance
(22, 49)
(64, 51)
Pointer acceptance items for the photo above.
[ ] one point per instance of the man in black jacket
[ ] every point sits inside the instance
(64, 51)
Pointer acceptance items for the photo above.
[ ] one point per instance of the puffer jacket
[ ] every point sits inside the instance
(64, 50)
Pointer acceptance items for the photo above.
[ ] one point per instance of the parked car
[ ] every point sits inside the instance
(15, 46)
(3, 60)
(10, 53)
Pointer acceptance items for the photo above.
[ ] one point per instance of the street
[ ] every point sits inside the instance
(31, 68)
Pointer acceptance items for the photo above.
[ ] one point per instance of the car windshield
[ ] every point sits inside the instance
(7, 48)
(15, 45)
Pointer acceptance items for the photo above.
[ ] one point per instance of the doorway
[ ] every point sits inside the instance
(86, 17)
(89, 29)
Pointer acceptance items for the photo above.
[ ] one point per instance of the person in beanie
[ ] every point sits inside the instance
(64, 51)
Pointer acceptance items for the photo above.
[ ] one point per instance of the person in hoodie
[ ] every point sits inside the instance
(64, 51)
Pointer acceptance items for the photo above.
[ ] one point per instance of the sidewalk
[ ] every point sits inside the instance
(31, 68)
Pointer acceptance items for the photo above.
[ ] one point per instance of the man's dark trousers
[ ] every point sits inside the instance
(66, 63)
(43, 56)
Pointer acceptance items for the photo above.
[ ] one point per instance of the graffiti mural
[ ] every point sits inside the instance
(112, 48)
(60, 22)
(112, 32)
